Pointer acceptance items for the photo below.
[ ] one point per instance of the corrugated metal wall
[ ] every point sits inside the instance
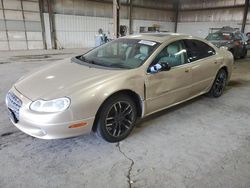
(152, 14)
(197, 17)
(79, 31)
(223, 15)
(143, 9)
(20, 25)
(77, 21)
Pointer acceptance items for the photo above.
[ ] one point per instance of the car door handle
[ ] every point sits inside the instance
(186, 70)
(215, 62)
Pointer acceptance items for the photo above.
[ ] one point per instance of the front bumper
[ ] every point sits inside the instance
(49, 125)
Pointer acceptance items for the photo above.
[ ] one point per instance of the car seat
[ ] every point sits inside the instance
(173, 57)
(128, 52)
(143, 53)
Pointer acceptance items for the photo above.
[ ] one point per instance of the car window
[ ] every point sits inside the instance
(219, 36)
(244, 37)
(174, 54)
(198, 50)
(237, 37)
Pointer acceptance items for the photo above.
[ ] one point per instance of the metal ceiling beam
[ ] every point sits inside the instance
(245, 16)
(135, 6)
(213, 8)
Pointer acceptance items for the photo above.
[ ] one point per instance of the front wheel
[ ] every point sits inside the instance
(117, 118)
(219, 84)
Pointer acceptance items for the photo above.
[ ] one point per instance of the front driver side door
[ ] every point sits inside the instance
(165, 88)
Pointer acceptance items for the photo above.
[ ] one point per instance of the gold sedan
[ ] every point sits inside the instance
(107, 89)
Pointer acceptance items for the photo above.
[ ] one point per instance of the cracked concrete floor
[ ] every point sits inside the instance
(202, 143)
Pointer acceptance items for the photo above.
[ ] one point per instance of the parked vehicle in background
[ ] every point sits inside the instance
(235, 41)
(248, 40)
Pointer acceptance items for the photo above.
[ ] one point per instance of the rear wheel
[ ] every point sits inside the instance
(244, 53)
(219, 84)
(234, 53)
(117, 118)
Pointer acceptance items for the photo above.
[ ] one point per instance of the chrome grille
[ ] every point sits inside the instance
(14, 104)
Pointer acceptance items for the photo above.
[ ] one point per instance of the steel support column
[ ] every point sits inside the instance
(24, 22)
(130, 17)
(52, 24)
(5, 24)
(176, 15)
(245, 16)
(41, 8)
(116, 17)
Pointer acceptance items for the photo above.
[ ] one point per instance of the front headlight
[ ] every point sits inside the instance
(55, 105)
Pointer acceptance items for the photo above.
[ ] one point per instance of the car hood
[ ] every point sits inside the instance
(61, 79)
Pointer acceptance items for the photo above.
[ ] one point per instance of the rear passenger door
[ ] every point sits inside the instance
(204, 63)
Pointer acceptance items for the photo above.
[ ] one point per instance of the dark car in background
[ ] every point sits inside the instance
(235, 41)
(248, 40)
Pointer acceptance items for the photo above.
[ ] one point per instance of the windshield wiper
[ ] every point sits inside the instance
(82, 58)
(88, 61)
(118, 66)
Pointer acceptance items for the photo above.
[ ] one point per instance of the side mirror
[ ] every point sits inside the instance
(165, 66)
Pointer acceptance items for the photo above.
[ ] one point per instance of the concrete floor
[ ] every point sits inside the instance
(202, 143)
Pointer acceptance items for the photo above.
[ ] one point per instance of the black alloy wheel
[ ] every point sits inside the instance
(219, 84)
(117, 118)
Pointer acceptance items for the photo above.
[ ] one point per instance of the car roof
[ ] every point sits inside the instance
(158, 37)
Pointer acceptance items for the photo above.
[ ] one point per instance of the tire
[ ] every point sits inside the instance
(244, 54)
(234, 54)
(116, 118)
(219, 84)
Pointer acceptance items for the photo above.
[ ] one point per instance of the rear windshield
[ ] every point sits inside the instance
(219, 36)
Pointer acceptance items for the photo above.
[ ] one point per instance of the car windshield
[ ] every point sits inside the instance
(121, 53)
(219, 36)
